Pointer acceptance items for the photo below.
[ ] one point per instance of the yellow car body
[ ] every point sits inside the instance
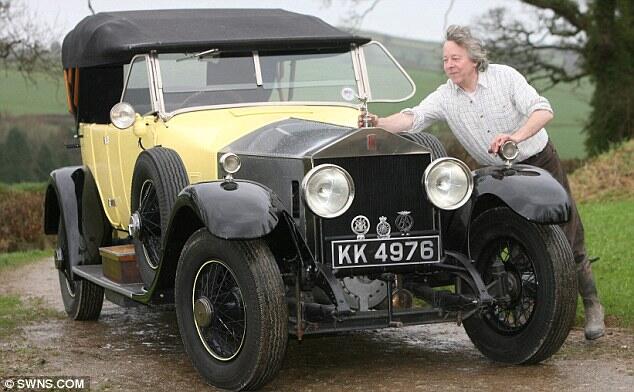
(197, 136)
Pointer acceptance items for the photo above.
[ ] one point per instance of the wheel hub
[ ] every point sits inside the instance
(135, 224)
(513, 285)
(203, 312)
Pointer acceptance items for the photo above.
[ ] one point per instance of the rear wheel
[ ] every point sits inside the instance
(82, 299)
(541, 283)
(231, 310)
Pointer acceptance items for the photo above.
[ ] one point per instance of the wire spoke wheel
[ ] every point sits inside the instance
(531, 322)
(150, 219)
(219, 310)
(521, 281)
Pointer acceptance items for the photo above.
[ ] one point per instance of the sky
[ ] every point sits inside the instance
(417, 19)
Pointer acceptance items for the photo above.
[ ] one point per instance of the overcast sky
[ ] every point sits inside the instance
(418, 19)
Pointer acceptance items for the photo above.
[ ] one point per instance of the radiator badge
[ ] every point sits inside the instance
(383, 229)
(360, 226)
(404, 222)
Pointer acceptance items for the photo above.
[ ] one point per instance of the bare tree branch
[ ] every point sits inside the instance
(24, 43)
(565, 8)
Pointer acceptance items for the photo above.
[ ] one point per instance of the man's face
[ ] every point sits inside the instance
(457, 64)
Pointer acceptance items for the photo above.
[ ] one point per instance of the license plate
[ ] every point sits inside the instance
(380, 252)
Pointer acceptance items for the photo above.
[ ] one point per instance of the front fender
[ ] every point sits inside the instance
(238, 209)
(528, 190)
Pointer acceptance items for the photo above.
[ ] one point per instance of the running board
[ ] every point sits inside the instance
(94, 273)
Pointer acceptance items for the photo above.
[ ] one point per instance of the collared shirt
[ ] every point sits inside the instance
(502, 103)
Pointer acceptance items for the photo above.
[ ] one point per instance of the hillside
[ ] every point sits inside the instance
(609, 176)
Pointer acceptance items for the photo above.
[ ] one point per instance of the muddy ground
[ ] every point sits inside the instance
(140, 349)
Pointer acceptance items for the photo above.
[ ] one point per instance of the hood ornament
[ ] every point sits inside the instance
(404, 222)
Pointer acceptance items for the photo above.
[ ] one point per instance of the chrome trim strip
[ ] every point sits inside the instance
(258, 68)
(367, 90)
(356, 65)
(168, 116)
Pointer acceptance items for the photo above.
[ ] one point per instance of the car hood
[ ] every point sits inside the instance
(298, 138)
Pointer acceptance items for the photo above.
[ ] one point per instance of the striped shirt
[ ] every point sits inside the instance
(502, 103)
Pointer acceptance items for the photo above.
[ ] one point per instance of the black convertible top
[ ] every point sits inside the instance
(115, 37)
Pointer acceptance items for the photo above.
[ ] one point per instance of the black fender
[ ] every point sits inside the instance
(239, 209)
(529, 191)
(236, 209)
(72, 195)
(61, 201)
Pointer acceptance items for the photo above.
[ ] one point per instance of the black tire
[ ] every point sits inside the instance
(540, 263)
(159, 175)
(82, 299)
(261, 321)
(427, 140)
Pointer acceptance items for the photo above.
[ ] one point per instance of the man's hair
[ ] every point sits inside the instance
(461, 35)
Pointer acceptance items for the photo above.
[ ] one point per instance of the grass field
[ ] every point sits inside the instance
(609, 234)
(19, 96)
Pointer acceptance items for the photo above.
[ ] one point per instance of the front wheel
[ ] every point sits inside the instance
(541, 283)
(231, 310)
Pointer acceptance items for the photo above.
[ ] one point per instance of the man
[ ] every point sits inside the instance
(485, 106)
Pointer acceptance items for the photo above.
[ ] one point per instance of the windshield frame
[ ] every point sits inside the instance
(165, 115)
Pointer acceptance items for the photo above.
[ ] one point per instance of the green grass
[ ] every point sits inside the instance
(15, 312)
(20, 96)
(15, 259)
(609, 234)
(23, 187)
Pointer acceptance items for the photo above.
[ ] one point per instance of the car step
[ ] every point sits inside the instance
(94, 274)
(118, 274)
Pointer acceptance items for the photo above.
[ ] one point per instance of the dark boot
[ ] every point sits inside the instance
(595, 327)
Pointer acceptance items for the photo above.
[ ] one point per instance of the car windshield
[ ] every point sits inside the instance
(215, 78)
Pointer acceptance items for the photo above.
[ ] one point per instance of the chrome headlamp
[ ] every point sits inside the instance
(448, 183)
(230, 163)
(328, 190)
(509, 151)
(122, 115)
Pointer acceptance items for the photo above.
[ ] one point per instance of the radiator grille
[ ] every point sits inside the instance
(384, 185)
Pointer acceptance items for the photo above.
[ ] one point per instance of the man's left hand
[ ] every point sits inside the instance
(498, 140)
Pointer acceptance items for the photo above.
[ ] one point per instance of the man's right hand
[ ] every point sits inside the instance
(374, 120)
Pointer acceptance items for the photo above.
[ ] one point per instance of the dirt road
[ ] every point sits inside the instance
(140, 349)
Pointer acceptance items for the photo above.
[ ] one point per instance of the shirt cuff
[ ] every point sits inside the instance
(417, 124)
(541, 104)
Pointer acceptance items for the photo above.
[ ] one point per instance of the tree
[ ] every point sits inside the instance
(16, 163)
(566, 41)
(24, 42)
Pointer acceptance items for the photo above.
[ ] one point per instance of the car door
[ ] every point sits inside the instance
(124, 146)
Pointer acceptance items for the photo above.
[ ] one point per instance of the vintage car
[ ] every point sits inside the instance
(224, 172)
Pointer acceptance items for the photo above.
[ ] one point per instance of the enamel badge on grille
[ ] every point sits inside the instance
(404, 222)
(383, 229)
(360, 225)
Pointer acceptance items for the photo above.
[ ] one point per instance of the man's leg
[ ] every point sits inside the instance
(549, 160)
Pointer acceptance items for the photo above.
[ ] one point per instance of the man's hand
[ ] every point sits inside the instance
(374, 120)
(498, 140)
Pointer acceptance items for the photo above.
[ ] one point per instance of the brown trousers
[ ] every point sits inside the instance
(548, 159)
